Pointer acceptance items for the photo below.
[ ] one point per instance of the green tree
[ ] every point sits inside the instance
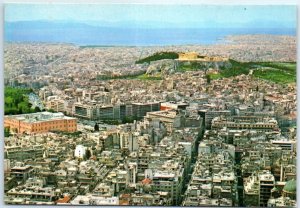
(6, 132)
(158, 56)
(9, 101)
(208, 79)
(51, 110)
(37, 109)
(96, 127)
(23, 107)
(88, 154)
(16, 101)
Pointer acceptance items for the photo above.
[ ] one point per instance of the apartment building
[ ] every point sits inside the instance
(140, 109)
(258, 123)
(257, 188)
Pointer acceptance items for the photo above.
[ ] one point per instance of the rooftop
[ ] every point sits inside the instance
(290, 186)
(38, 117)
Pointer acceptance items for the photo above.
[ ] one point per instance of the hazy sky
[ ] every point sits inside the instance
(176, 15)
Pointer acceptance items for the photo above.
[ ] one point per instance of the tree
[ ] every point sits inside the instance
(8, 100)
(96, 127)
(88, 154)
(16, 100)
(37, 109)
(23, 107)
(6, 132)
(51, 110)
(208, 79)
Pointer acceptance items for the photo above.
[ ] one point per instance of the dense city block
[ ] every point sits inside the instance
(195, 125)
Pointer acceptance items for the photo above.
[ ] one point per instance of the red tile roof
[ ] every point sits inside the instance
(66, 199)
(146, 181)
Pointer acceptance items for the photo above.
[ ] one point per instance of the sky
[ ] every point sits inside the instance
(178, 16)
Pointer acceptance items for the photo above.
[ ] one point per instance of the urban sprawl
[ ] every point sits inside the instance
(109, 130)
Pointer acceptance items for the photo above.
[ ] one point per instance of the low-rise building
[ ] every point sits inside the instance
(40, 123)
(95, 200)
(281, 202)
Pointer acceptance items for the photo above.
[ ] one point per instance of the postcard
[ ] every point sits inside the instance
(150, 105)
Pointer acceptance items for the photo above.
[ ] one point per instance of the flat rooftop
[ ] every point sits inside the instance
(167, 114)
(39, 117)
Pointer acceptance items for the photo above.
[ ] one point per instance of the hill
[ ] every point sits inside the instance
(158, 56)
(278, 72)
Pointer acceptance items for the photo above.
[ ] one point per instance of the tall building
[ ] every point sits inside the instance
(266, 183)
(171, 182)
(257, 188)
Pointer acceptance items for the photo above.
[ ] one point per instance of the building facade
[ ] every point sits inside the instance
(40, 123)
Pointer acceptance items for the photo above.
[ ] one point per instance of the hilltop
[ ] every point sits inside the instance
(216, 67)
(158, 56)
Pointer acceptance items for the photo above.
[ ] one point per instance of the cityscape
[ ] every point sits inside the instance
(108, 118)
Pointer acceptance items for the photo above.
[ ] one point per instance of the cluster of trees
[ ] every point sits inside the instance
(278, 72)
(130, 119)
(192, 66)
(16, 101)
(158, 56)
(285, 66)
(237, 68)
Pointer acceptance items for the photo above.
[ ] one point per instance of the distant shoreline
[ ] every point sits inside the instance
(130, 37)
(219, 41)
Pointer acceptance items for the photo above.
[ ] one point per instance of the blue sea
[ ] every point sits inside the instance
(83, 35)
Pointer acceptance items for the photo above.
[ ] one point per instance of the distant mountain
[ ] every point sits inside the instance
(128, 32)
(194, 24)
(45, 25)
(55, 32)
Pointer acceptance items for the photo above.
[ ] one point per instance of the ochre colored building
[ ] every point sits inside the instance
(40, 123)
(193, 56)
(188, 56)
